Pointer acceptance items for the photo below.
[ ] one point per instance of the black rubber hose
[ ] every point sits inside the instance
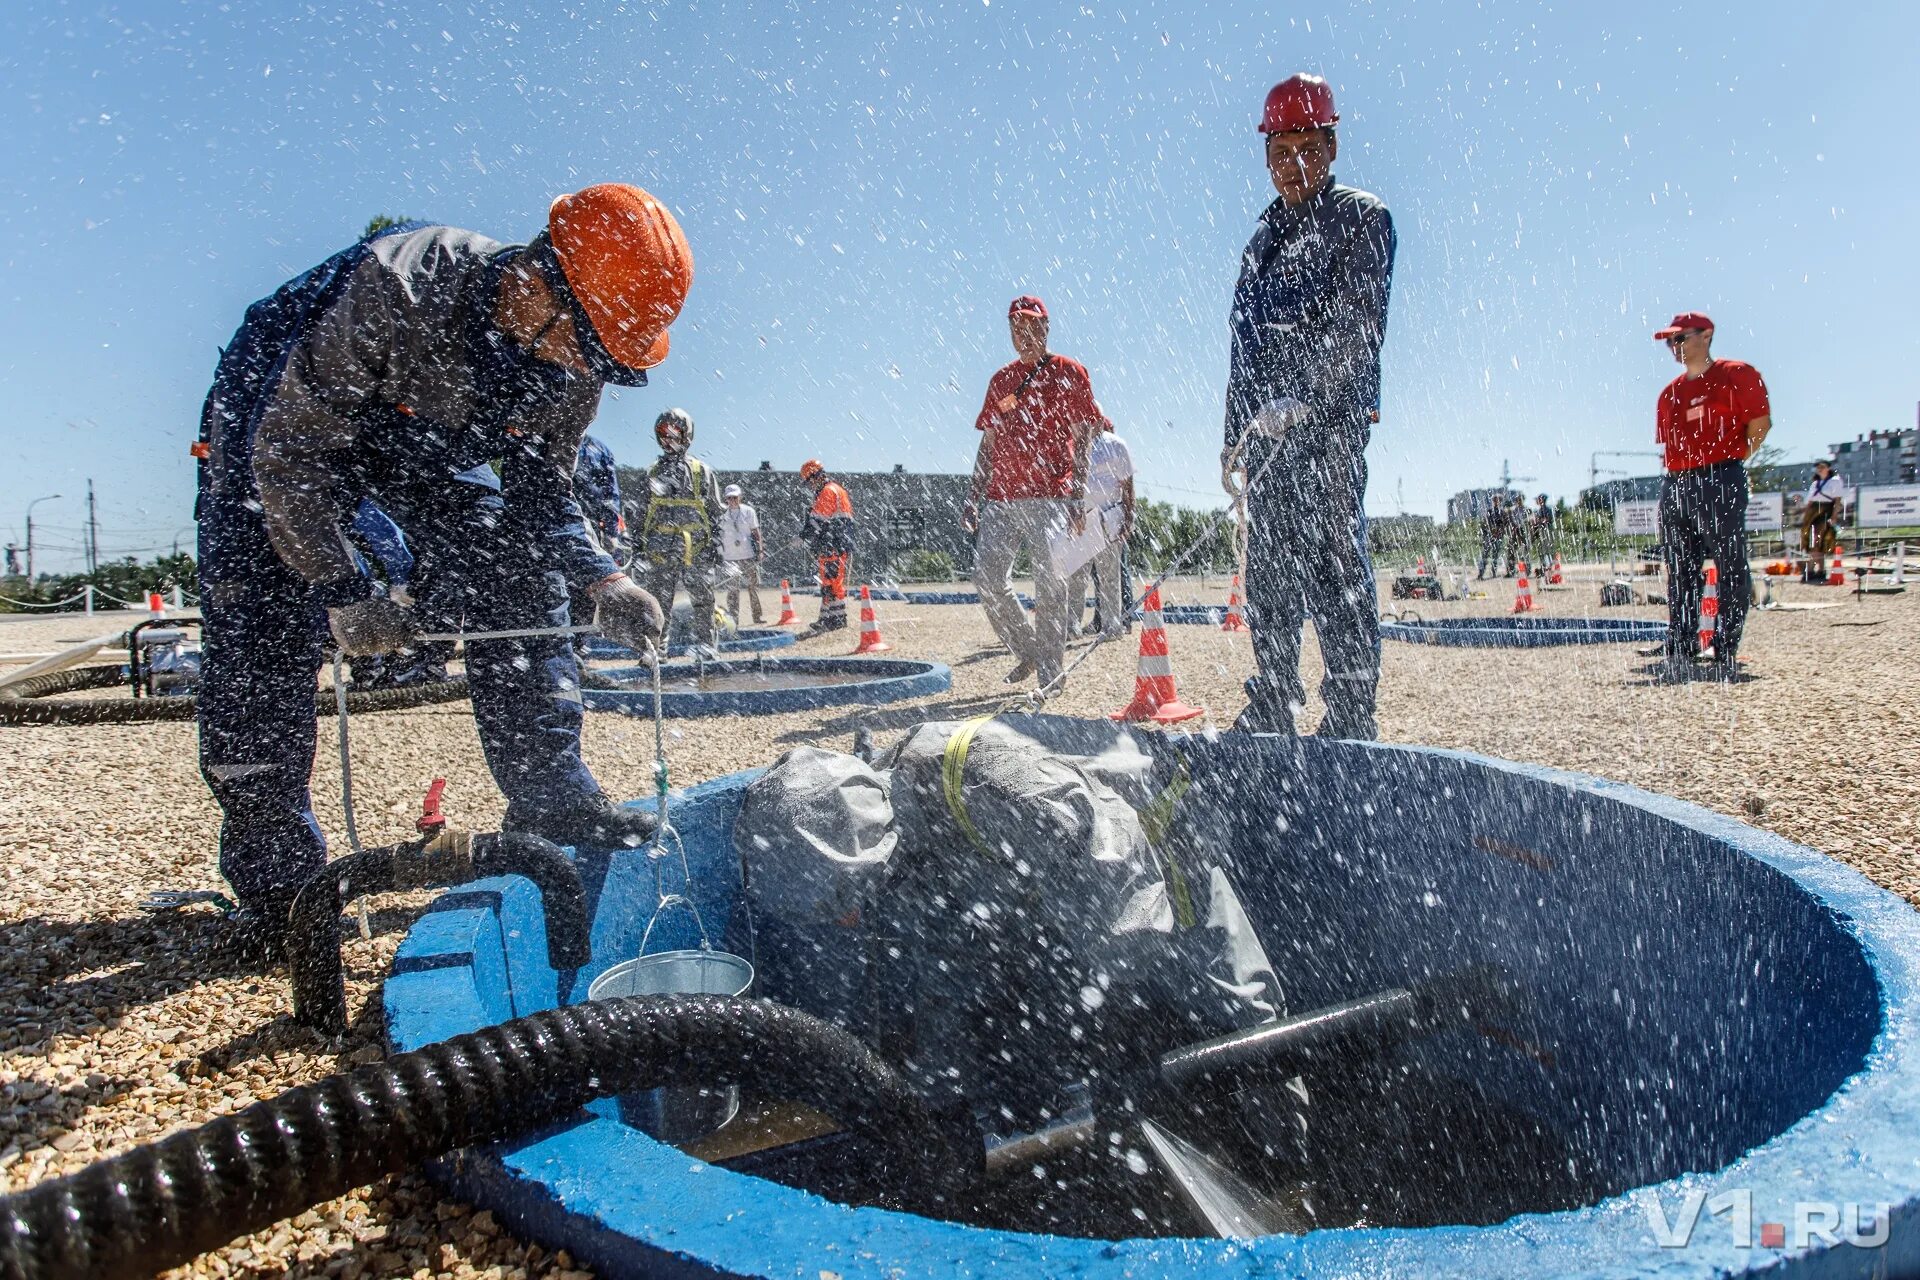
(161, 1205)
(37, 700)
(313, 926)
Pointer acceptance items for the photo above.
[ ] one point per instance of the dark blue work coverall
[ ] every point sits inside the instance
(1309, 316)
(380, 375)
(596, 487)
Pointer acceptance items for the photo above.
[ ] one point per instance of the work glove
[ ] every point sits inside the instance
(627, 615)
(1277, 417)
(369, 627)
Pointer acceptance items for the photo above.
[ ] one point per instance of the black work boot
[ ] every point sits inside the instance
(1261, 716)
(592, 823)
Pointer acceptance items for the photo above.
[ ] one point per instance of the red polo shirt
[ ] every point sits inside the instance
(1032, 427)
(1703, 420)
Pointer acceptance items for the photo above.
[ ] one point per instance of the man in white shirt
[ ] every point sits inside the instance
(1110, 510)
(740, 546)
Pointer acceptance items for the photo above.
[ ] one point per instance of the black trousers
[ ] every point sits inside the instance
(1703, 516)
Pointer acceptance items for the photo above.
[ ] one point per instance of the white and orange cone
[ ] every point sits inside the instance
(788, 617)
(156, 603)
(1554, 577)
(1837, 574)
(1523, 592)
(1234, 621)
(1710, 607)
(1154, 697)
(870, 638)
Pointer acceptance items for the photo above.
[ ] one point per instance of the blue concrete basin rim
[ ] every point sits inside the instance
(1862, 1145)
(1525, 632)
(891, 680)
(745, 640)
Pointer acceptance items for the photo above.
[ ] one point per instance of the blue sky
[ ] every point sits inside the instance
(865, 186)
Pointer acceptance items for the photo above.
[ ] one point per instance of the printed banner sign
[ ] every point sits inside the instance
(1636, 517)
(1766, 512)
(1884, 506)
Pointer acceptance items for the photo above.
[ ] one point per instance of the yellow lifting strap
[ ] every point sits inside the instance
(953, 773)
(1156, 820)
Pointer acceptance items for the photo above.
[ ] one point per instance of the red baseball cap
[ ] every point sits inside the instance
(1681, 323)
(1027, 305)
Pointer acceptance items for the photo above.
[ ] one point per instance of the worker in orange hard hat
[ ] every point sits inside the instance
(828, 529)
(1303, 392)
(449, 378)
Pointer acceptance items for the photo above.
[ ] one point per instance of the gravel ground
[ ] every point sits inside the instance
(115, 1029)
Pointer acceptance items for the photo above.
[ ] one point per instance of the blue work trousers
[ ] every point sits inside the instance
(1307, 558)
(1703, 516)
(265, 640)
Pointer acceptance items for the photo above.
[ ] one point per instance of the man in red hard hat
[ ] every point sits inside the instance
(448, 378)
(1303, 392)
(828, 529)
(1708, 421)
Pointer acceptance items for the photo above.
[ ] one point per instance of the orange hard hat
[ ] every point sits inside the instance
(626, 264)
(1299, 102)
(811, 468)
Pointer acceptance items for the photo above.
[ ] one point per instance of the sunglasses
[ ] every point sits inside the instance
(1680, 339)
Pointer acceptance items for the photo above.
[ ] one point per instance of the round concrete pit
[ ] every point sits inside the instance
(745, 640)
(1717, 1030)
(1525, 632)
(767, 686)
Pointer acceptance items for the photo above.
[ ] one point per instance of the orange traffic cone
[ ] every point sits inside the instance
(1837, 574)
(1523, 592)
(1154, 697)
(1234, 621)
(1710, 607)
(156, 604)
(788, 617)
(1554, 577)
(870, 639)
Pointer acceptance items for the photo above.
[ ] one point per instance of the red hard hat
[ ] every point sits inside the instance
(810, 468)
(1299, 102)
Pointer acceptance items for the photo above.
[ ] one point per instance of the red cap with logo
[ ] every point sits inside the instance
(1027, 305)
(1299, 102)
(1681, 323)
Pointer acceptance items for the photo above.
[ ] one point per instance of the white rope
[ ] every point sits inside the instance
(1037, 699)
(346, 757)
(664, 830)
(37, 604)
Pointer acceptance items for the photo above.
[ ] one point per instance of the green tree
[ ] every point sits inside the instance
(380, 222)
(1765, 472)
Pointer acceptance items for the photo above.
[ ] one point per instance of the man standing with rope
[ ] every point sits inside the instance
(1030, 486)
(1303, 392)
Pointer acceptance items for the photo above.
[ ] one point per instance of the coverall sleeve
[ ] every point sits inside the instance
(333, 374)
(1355, 315)
(536, 479)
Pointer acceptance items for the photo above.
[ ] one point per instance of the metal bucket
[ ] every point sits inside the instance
(678, 1114)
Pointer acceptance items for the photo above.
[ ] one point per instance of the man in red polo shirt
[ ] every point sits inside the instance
(1030, 483)
(1709, 420)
